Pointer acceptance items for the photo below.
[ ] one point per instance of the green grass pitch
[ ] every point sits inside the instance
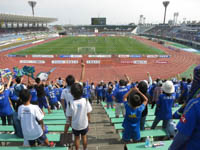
(103, 45)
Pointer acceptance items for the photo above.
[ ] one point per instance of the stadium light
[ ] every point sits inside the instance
(32, 4)
(165, 4)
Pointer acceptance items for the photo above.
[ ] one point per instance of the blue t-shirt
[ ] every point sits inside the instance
(109, 97)
(151, 89)
(164, 106)
(184, 88)
(52, 96)
(104, 91)
(46, 90)
(58, 92)
(99, 91)
(132, 119)
(13, 96)
(86, 92)
(34, 97)
(189, 124)
(120, 92)
(177, 90)
(5, 107)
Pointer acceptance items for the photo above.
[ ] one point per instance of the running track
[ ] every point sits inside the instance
(112, 70)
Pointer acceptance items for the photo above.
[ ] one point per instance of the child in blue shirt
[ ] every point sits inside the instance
(99, 93)
(133, 115)
(164, 105)
(109, 99)
(34, 98)
(5, 104)
(53, 101)
(118, 96)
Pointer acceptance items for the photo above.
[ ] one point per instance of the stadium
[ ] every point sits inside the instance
(108, 53)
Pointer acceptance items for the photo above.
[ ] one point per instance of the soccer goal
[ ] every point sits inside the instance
(86, 50)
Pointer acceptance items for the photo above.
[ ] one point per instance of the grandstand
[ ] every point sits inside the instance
(100, 28)
(188, 34)
(17, 28)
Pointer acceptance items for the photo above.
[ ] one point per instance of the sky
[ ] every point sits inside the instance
(79, 12)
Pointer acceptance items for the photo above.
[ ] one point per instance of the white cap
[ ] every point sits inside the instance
(168, 87)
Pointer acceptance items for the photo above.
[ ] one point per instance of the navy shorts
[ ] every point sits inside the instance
(80, 132)
(39, 140)
(42, 101)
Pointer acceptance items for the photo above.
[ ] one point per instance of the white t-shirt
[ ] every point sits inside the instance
(28, 115)
(67, 96)
(78, 111)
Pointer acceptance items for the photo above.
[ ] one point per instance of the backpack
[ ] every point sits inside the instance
(17, 89)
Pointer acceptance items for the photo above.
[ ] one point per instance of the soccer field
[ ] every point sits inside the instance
(92, 45)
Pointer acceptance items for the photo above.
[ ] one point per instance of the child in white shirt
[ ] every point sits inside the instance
(31, 118)
(79, 115)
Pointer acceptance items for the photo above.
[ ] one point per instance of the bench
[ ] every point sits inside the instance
(52, 122)
(141, 146)
(148, 124)
(120, 120)
(14, 138)
(31, 148)
(53, 117)
(145, 133)
(51, 128)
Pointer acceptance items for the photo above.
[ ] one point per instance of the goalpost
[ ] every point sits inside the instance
(86, 50)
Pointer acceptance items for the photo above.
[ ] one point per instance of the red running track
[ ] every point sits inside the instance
(111, 69)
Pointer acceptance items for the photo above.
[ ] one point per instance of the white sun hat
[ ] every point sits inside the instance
(1, 88)
(168, 87)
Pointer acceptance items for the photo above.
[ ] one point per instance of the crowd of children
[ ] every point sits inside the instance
(25, 102)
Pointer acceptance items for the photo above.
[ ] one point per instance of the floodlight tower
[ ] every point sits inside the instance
(32, 4)
(165, 4)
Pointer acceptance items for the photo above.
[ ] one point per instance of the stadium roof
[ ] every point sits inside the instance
(22, 19)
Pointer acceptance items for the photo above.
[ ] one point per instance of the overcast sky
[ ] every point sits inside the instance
(116, 11)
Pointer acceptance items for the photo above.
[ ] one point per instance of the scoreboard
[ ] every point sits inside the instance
(98, 21)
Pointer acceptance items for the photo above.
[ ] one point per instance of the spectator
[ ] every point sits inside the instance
(109, 97)
(60, 81)
(143, 87)
(66, 96)
(134, 110)
(5, 104)
(31, 118)
(79, 115)
(99, 93)
(118, 97)
(156, 93)
(42, 99)
(188, 134)
(164, 105)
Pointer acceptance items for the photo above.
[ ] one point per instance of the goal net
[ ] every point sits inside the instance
(86, 50)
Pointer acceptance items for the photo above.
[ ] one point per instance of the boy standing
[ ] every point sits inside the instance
(79, 115)
(31, 118)
(134, 110)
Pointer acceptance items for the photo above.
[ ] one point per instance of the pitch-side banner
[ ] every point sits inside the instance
(93, 62)
(140, 62)
(70, 56)
(32, 62)
(133, 62)
(152, 56)
(123, 56)
(42, 56)
(99, 56)
(64, 62)
(164, 56)
(135, 56)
